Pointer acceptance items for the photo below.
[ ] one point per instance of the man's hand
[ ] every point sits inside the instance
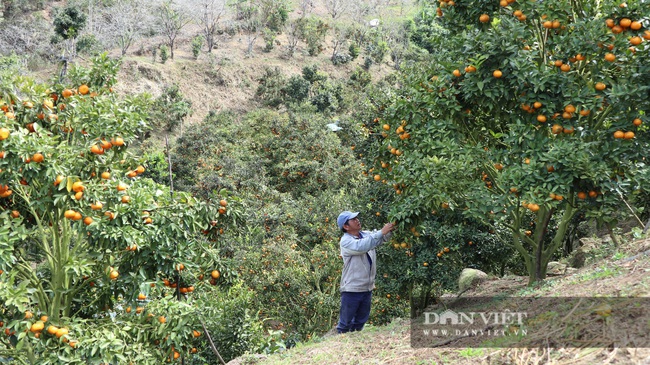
(388, 227)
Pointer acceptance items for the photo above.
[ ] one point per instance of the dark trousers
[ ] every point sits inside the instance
(355, 310)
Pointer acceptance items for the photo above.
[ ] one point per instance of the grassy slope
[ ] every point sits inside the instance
(611, 271)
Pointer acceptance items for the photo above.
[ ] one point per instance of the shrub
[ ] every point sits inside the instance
(297, 89)
(170, 108)
(354, 50)
(269, 39)
(341, 58)
(197, 44)
(88, 44)
(360, 79)
(164, 53)
(271, 87)
(312, 74)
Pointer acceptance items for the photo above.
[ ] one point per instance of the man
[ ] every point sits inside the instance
(359, 270)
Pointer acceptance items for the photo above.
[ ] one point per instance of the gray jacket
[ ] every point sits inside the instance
(358, 272)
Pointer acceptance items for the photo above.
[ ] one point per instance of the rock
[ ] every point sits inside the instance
(578, 258)
(374, 23)
(555, 268)
(470, 278)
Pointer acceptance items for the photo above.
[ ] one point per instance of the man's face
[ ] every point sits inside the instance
(353, 224)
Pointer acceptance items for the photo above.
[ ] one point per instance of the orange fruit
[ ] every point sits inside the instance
(541, 118)
(484, 18)
(15, 214)
(593, 194)
(84, 89)
(106, 175)
(180, 267)
(79, 195)
(38, 157)
(556, 129)
(215, 274)
(67, 93)
(88, 221)
(77, 216)
(106, 145)
(619, 134)
(61, 332)
(582, 195)
(141, 296)
(625, 22)
(117, 141)
(600, 86)
(533, 207)
(114, 274)
(497, 74)
(196, 333)
(4, 133)
(456, 73)
(52, 330)
(565, 68)
(610, 57)
(635, 41)
(58, 180)
(637, 122)
(97, 149)
(121, 186)
(126, 199)
(162, 319)
(628, 135)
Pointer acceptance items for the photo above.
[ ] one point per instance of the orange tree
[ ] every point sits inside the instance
(83, 238)
(525, 114)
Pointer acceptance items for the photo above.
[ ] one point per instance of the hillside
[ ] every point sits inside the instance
(614, 272)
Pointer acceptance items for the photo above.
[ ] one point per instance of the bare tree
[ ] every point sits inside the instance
(256, 15)
(25, 37)
(208, 14)
(342, 33)
(171, 20)
(123, 22)
(294, 35)
(305, 6)
(335, 8)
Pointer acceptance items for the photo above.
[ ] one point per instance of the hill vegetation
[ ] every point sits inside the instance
(170, 171)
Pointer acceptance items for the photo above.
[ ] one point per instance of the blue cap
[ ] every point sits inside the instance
(344, 217)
